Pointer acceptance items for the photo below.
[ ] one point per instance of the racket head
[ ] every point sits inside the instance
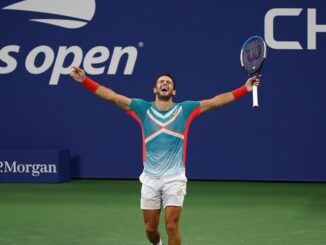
(253, 54)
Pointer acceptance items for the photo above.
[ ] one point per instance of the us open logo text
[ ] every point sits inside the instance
(72, 14)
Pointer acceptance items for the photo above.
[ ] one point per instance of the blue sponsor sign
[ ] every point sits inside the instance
(125, 44)
(34, 166)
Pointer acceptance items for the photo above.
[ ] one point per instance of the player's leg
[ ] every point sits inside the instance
(151, 206)
(173, 197)
(152, 220)
(172, 218)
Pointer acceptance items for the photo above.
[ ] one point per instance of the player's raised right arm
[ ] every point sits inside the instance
(121, 101)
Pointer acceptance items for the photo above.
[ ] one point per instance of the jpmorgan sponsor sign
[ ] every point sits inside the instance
(34, 166)
(35, 169)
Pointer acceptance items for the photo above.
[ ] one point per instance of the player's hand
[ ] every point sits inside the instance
(77, 74)
(253, 81)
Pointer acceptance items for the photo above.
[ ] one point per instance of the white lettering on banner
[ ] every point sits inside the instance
(58, 68)
(269, 28)
(10, 61)
(34, 169)
(313, 28)
(95, 56)
(90, 59)
(118, 52)
(31, 57)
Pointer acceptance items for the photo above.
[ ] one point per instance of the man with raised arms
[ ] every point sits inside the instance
(165, 126)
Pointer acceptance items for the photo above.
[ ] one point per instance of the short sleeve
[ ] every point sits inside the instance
(138, 108)
(190, 108)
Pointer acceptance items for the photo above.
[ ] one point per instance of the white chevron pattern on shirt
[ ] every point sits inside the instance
(176, 111)
(166, 115)
(167, 122)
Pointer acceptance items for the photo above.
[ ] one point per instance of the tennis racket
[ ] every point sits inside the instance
(252, 57)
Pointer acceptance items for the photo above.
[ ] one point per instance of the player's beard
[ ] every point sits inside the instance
(164, 97)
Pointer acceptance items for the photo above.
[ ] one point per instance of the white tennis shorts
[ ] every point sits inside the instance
(158, 193)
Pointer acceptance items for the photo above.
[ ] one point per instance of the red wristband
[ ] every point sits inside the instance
(237, 93)
(90, 84)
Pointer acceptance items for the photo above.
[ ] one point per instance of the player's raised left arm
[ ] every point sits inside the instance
(105, 93)
(226, 98)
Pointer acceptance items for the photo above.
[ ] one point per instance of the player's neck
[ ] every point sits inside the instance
(163, 105)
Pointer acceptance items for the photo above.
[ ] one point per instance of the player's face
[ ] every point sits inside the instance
(164, 88)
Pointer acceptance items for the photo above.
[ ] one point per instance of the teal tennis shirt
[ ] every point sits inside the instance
(164, 135)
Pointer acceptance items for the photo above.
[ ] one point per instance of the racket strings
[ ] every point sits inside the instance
(253, 55)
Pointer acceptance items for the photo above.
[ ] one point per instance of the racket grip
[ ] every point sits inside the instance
(254, 96)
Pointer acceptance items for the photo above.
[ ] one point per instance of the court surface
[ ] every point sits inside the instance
(107, 212)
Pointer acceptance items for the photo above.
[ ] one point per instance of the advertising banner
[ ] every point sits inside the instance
(34, 166)
(124, 45)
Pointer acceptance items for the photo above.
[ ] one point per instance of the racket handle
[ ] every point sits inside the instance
(254, 96)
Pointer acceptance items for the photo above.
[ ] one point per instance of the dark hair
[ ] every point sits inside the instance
(167, 75)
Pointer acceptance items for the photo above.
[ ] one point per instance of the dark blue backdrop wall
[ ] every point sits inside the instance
(125, 44)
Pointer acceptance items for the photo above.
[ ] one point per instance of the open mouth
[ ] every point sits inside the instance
(164, 89)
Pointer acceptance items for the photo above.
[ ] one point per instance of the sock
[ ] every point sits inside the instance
(160, 243)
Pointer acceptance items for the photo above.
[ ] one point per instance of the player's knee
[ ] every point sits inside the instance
(172, 228)
(150, 229)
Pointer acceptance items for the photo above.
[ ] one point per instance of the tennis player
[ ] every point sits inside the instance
(165, 126)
